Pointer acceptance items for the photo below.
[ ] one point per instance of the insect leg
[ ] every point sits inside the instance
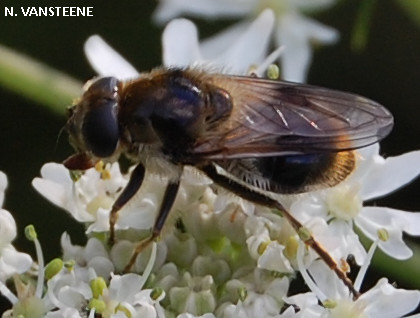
(129, 191)
(167, 202)
(259, 198)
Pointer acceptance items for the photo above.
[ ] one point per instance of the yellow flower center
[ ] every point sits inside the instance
(348, 309)
(100, 201)
(344, 202)
(279, 7)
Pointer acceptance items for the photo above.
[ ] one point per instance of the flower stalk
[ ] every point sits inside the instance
(37, 81)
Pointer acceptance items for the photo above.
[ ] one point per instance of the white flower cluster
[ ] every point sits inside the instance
(219, 256)
(224, 257)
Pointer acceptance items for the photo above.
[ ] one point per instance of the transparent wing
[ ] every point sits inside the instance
(273, 118)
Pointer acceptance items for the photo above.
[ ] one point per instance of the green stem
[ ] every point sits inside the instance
(360, 34)
(36, 81)
(412, 9)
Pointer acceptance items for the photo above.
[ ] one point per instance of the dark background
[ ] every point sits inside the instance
(388, 71)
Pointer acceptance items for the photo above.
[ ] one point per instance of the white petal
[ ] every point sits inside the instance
(124, 288)
(385, 301)
(391, 173)
(94, 248)
(101, 223)
(369, 151)
(365, 159)
(121, 253)
(55, 184)
(139, 313)
(3, 186)
(297, 54)
(235, 311)
(102, 265)
(71, 288)
(72, 296)
(138, 219)
(8, 229)
(144, 311)
(64, 313)
(260, 305)
(254, 242)
(308, 207)
(296, 33)
(56, 172)
(278, 288)
(180, 44)
(181, 251)
(54, 192)
(139, 214)
(217, 44)
(346, 242)
(327, 281)
(307, 304)
(188, 315)
(106, 61)
(372, 219)
(202, 222)
(13, 262)
(409, 222)
(319, 32)
(251, 47)
(71, 251)
(57, 187)
(395, 246)
(273, 259)
(169, 9)
(204, 265)
(302, 300)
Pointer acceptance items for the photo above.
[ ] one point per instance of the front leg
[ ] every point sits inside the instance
(133, 186)
(166, 206)
(261, 199)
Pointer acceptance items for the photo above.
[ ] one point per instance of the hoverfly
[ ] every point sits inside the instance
(249, 135)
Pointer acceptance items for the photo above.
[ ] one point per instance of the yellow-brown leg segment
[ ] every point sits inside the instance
(261, 199)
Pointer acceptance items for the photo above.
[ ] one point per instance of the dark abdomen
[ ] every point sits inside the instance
(293, 173)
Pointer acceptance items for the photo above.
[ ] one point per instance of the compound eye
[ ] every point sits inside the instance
(100, 128)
